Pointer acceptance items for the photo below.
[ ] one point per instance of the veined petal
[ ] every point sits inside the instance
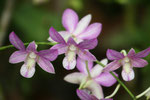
(106, 79)
(112, 66)
(50, 54)
(32, 47)
(46, 65)
(131, 53)
(114, 55)
(128, 76)
(69, 64)
(61, 48)
(14, 39)
(56, 36)
(143, 53)
(86, 55)
(27, 72)
(81, 65)
(88, 44)
(84, 95)
(74, 78)
(96, 90)
(82, 25)
(138, 62)
(91, 32)
(96, 70)
(65, 34)
(69, 20)
(18, 56)
(71, 41)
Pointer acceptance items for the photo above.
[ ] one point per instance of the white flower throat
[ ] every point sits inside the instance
(126, 62)
(71, 53)
(31, 60)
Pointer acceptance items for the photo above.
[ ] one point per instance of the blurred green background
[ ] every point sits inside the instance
(126, 24)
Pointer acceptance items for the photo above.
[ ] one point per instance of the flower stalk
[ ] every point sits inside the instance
(87, 68)
(38, 43)
(115, 91)
(143, 93)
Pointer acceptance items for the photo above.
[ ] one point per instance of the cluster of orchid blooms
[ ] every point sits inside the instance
(78, 38)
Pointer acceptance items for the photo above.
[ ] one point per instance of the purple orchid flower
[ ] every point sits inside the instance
(128, 61)
(78, 30)
(93, 81)
(85, 95)
(30, 56)
(71, 48)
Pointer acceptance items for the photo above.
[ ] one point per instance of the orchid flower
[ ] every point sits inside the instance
(30, 56)
(78, 30)
(91, 78)
(71, 48)
(85, 95)
(128, 61)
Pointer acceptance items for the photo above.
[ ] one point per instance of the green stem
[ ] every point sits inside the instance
(39, 43)
(119, 81)
(87, 68)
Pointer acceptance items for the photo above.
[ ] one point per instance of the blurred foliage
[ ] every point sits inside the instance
(35, 22)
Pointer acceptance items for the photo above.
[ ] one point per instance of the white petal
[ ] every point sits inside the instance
(82, 25)
(104, 61)
(69, 64)
(96, 70)
(96, 90)
(128, 76)
(75, 78)
(27, 72)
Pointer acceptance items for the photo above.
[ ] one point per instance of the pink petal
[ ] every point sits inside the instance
(82, 25)
(112, 66)
(105, 79)
(69, 20)
(91, 32)
(56, 36)
(86, 55)
(114, 55)
(88, 44)
(84, 95)
(32, 47)
(74, 78)
(69, 65)
(46, 65)
(65, 34)
(138, 62)
(18, 56)
(27, 72)
(143, 53)
(71, 41)
(131, 53)
(61, 48)
(50, 54)
(96, 90)
(81, 65)
(128, 76)
(14, 39)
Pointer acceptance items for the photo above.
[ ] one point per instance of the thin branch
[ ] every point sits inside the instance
(39, 43)
(115, 91)
(143, 93)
